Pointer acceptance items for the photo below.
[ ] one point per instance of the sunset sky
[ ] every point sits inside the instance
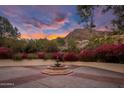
(49, 21)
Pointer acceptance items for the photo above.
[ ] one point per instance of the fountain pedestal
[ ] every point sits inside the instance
(57, 69)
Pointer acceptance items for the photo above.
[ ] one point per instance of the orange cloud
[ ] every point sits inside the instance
(41, 36)
(54, 36)
(33, 36)
(25, 36)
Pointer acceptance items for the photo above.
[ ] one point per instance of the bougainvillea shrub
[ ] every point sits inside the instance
(5, 53)
(58, 55)
(41, 55)
(87, 55)
(24, 55)
(106, 49)
(70, 56)
(107, 53)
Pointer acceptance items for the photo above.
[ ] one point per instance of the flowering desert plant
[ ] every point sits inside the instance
(58, 55)
(107, 53)
(24, 55)
(5, 52)
(87, 55)
(41, 55)
(70, 56)
(106, 49)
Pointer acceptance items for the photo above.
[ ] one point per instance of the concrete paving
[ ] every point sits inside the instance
(14, 72)
(40, 62)
(82, 77)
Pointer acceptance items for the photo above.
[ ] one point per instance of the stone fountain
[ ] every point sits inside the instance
(57, 69)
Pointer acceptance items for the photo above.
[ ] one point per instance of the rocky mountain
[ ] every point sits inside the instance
(85, 34)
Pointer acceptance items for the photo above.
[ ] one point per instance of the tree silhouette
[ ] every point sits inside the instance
(7, 30)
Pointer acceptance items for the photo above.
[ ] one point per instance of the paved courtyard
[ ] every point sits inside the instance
(82, 77)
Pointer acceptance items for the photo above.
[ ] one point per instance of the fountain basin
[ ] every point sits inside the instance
(62, 67)
(53, 70)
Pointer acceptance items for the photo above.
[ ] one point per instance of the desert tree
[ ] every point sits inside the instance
(7, 30)
(118, 12)
(86, 13)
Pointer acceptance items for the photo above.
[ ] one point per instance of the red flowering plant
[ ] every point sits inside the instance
(70, 56)
(41, 55)
(119, 50)
(5, 52)
(23, 55)
(87, 55)
(107, 52)
(58, 55)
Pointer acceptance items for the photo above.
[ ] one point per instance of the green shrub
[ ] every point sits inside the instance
(52, 49)
(48, 56)
(32, 56)
(121, 58)
(98, 41)
(17, 57)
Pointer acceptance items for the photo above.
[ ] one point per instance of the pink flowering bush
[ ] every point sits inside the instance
(119, 50)
(41, 55)
(70, 56)
(5, 52)
(108, 53)
(107, 49)
(87, 55)
(23, 55)
(58, 55)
